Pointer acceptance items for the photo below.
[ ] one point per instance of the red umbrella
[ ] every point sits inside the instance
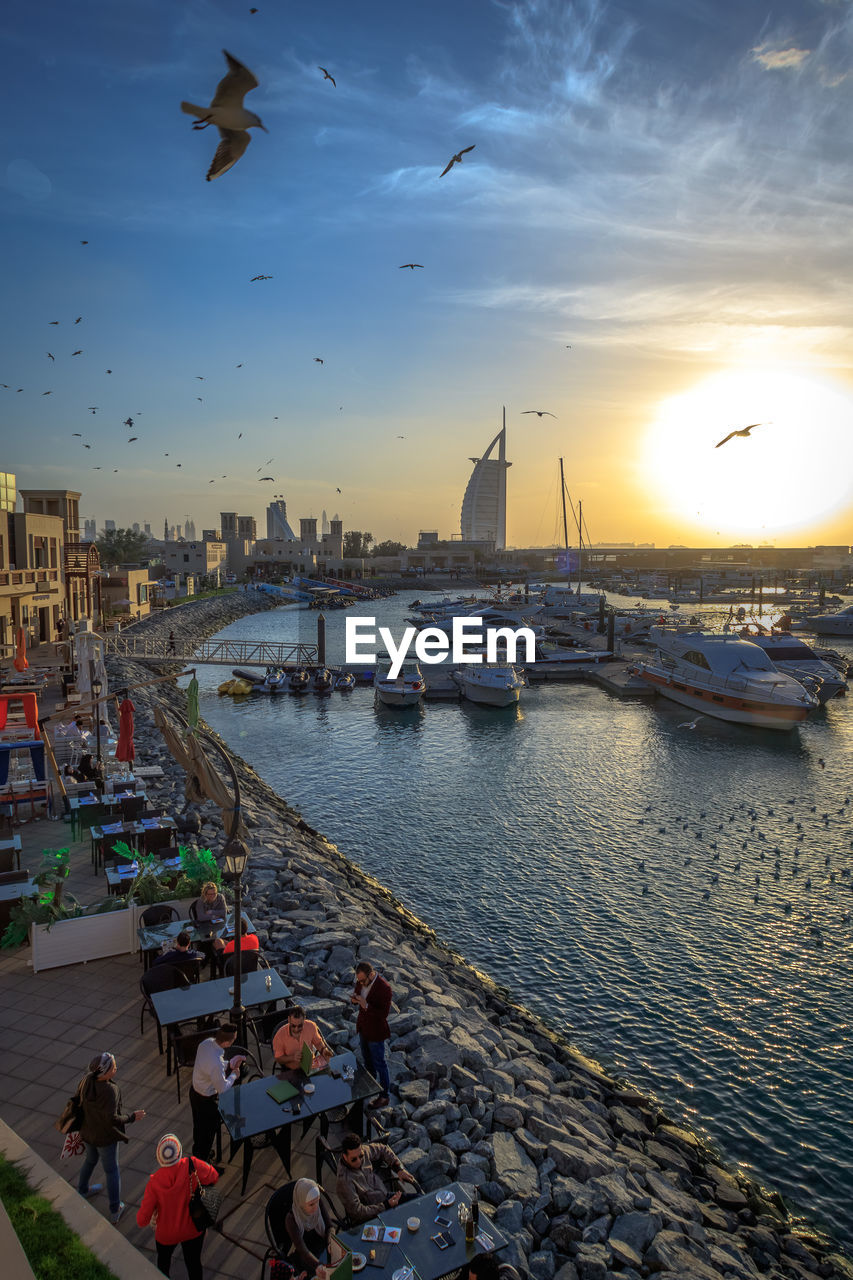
(125, 750)
(21, 663)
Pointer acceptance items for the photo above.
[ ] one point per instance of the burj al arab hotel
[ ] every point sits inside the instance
(484, 504)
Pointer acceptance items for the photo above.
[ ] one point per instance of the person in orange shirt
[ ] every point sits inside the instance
(297, 1031)
(248, 941)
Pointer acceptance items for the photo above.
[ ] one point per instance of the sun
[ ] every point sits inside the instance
(796, 467)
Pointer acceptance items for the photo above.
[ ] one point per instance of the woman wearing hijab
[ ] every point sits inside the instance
(309, 1231)
(166, 1202)
(104, 1120)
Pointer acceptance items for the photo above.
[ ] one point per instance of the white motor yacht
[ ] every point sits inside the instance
(404, 690)
(493, 684)
(792, 655)
(828, 624)
(725, 677)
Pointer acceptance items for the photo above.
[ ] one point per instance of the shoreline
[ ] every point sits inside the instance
(587, 1174)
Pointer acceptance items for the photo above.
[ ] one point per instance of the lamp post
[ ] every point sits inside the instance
(236, 861)
(97, 686)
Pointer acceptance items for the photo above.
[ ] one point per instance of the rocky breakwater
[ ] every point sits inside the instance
(589, 1178)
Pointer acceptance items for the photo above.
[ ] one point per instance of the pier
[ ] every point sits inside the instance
(154, 647)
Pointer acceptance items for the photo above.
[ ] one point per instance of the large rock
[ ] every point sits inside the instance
(514, 1170)
(672, 1198)
(575, 1162)
(637, 1230)
(433, 1056)
(670, 1251)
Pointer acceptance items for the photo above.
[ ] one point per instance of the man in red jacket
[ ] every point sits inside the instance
(372, 994)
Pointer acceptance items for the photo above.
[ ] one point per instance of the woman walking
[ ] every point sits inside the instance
(104, 1120)
(166, 1203)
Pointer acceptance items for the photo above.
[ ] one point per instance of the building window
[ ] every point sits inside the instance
(186, 558)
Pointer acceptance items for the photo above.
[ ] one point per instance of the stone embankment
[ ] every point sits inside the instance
(589, 1178)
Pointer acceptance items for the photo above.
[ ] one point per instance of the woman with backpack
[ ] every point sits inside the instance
(166, 1204)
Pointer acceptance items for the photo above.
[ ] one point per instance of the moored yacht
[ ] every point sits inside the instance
(725, 677)
(493, 684)
(798, 659)
(403, 690)
(828, 624)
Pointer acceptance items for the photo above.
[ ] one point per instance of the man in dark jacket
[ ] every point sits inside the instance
(104, 1120)
(180, 951)
(360, 1187)
(372, 994)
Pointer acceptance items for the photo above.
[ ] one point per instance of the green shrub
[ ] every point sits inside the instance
(53, 1250)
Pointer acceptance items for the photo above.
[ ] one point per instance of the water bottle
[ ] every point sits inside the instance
(269, 982)
(470, 1228)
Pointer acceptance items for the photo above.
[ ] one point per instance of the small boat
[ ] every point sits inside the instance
(725, 677)
(404, 690)
(792, 655)
(492, 684)
(298, 681)
(323, 680)
(828, 624)
(345, 683)
(275, 680)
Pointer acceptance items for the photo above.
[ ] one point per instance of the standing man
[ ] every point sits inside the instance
(209, 1080)
(372, 994)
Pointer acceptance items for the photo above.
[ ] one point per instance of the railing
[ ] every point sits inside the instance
(227, 653)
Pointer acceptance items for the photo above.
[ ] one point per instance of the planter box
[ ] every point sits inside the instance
(113, 933)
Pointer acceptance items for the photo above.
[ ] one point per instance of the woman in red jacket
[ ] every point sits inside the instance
(166, 1203)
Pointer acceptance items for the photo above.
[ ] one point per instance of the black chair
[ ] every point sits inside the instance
(14, 877)
(190, 968)
(159, 913)
(158, 838)
(250, 962)
(183, 1046)
(160, 977)
(131, 808)
(10, 860)
(279, 1205)
(326, 1153)
(264, 1025)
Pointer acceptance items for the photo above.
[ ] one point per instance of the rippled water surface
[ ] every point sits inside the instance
(716, 975)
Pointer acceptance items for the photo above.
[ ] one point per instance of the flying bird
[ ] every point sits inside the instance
(199, 378)
(457, 159)
(401, 437)
(87, 446)
(744, 431)
(319, 360)
(211, 482)
(128, 422)
(47, 393)
(199, 399)
(326, 75)
(231, 118)
(77, 353)
(412, 265)
(240, 435)
(252, 281)
(267, 478)
(96, 468)
(79, 318)
(109, 370)
(51, 357)
(337, 491)
(132, 438)
(239, 366)
(84, 241)
(53, 322)
(542, 413)
(77, 433)
(690, 724)
(93, 408)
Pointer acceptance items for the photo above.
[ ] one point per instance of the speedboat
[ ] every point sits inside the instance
(492, 684)
(345, 683)
(725, 677)
(323, 680)
(298, 681)
(275, 680)
(828, 624)
(403, 690)
(792, 655)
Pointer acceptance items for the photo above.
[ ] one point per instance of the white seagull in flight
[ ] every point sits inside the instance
(231, 118)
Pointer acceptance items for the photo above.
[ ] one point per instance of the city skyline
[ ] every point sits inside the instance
(648, 241)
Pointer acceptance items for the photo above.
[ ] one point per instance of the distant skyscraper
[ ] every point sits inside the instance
(325, 527)
(277, 526)
(135, 526)
(484, 504)
(189, 529)
(90, 530)
(178, 533)
(146, 529)
(109, 526)
(166, 529)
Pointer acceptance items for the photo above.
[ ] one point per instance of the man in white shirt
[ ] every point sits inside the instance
(210, 1078)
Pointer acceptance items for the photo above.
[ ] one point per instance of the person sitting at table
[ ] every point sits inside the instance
(306, 1224)
(359, 1186)
(180, 951)
(90, 770)
(248, 941)
(210, 906)
(298, 1030)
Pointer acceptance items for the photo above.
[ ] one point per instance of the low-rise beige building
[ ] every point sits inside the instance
(32, 588)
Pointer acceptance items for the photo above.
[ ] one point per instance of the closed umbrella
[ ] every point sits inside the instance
(125, 749)
(21, 663)
(192, 704)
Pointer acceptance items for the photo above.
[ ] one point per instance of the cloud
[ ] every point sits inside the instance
(779, 59)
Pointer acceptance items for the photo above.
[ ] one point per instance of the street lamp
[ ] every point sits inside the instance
(236, 861)
(97, 686)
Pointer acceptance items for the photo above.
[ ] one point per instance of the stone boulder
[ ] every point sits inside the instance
(514, 1171)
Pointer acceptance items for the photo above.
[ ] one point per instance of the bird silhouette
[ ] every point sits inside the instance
(743, 431)
(77, 433)
(77, 353)
(268, 478)
(93, 408)
(326, 75)
(542, 413)
(128, 422)
(53, 322)
(47, 393)
(199, 378)
(87, 446)
(132, 438)
(51, 357)
(252, 281)
(337, 491)
(79, 318)
(109, 370)
(691, 724)
(84, 241)
(199, 399)
(457, 159)
(412, 265)
(319, 360)
(231, 118)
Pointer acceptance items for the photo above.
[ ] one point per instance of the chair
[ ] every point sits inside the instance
(6, 827)
(160, 977)
(10, 860)
(131, 808)
(278, 1207)
(159, 913)
(159, 838)
(263, 1026)
(14, 877)
(250, 962)
(183, 1046)
(190, 968)
(326, 1153)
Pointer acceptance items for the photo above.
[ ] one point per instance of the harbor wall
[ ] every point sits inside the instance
(586, 1174)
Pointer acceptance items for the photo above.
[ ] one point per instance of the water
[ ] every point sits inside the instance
(518, 835)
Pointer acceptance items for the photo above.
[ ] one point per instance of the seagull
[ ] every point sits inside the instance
(128, 422)
(199, 378)
(93, 408)
(53, 322)
(77, 433)
(542, 413)
(319, 360)
(457, 159)
(109, 370)
(267, 478)
(97, 468)
(229, 115)
(87, 446)
(326, 75)
(199, 399)
(403, 265)
(744, 431)
(239, 366)
(337, 491)
(79, 318)
(77, 353)
(132, 438)
(690, 724)
(47, 393)
(51, 357)
(252, 281)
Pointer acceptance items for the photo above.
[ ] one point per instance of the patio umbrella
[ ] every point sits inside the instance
(203, 781)
(125, 749)
(192, 704)
(21, 663)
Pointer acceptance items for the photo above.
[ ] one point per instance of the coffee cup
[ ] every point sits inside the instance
(413, 1224)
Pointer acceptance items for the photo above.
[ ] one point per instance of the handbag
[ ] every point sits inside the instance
(72, 1114)
(204, 1203)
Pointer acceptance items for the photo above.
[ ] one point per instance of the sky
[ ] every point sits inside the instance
(650, 241)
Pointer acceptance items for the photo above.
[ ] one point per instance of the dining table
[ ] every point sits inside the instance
(123, 872)
(153, 937)
(203, 999)
(128, 832)
(250, 1111)
(91, 808)
(418, 1255)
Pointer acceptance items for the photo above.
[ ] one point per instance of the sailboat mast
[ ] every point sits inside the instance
(580, 542)
(565, 526)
